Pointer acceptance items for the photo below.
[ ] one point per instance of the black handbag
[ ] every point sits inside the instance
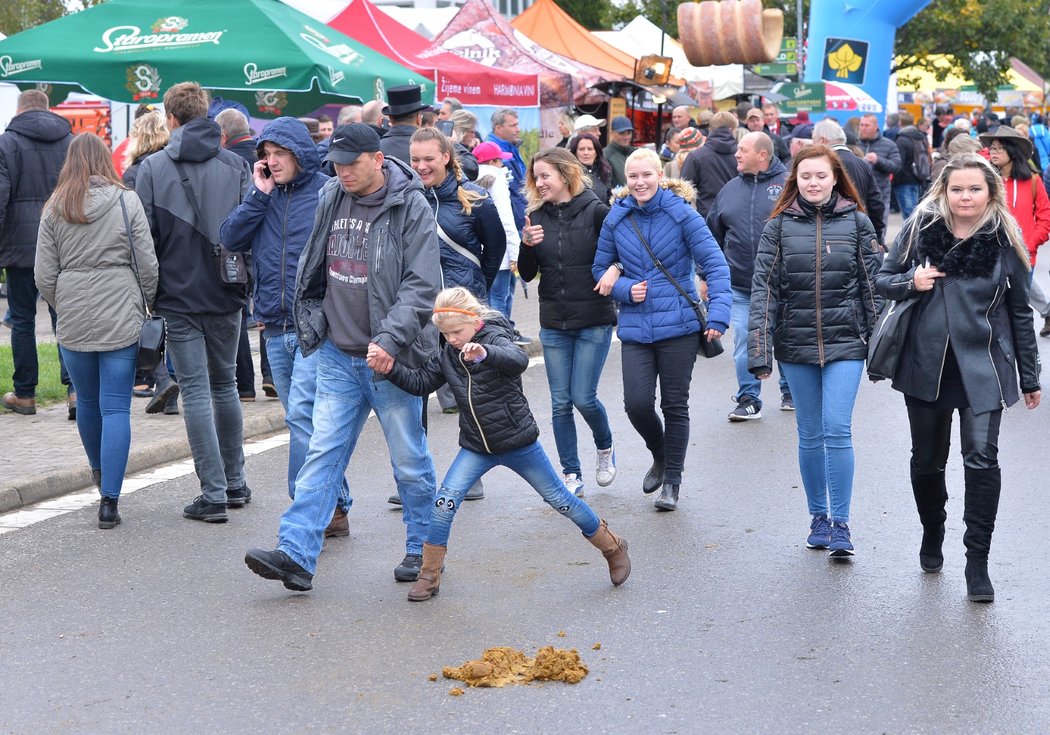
(151, 336)
(713, 348)
(887, 341)
(231, 267)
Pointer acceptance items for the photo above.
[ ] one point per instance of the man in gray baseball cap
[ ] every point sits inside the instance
(359, 297)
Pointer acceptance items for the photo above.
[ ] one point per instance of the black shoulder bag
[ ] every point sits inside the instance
(231, 267)
(713, 348)
(151, 336)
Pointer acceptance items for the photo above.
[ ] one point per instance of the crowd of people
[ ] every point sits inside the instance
(384, 260)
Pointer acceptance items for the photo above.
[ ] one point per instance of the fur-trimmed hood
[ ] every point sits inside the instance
(974, 257)
(681, 187)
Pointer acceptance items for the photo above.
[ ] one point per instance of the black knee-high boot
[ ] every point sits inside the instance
(930, 498)
(982, 504)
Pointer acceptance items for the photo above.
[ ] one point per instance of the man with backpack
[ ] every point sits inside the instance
(914, 174)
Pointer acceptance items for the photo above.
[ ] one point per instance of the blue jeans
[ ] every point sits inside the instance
(295, 378)
(574, 359)
(531, 464)
(103, 382)
(824, 398)
(204, 352)
(501, 295)
(748, 384)
(347, 390)
(21, 302)
(907, 198)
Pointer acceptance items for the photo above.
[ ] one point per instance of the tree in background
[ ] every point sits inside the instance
(591, 14)
(18, 15)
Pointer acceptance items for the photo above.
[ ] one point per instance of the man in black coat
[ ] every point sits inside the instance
(713, 165)
(32, 152)
(831, 134)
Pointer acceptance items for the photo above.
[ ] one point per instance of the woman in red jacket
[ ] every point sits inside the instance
(1026, 198)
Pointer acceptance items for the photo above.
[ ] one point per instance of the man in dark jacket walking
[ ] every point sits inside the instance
(32, 152)
(273, 223)
(203, 316)
(913, 175)
(365, 289)
(830, 133)
(883, 155)
(736, 219)
(713, 165)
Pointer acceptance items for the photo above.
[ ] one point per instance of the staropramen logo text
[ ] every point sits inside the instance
(165, 33)
(9, 67)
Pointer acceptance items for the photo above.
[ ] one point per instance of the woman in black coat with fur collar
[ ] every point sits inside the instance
(963, 257)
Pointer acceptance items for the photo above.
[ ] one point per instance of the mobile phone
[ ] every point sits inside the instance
(266, 171)
(445, 126)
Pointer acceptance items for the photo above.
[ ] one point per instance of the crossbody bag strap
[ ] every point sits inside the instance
(456, 246)
(658, 264)
(196, 207)
(134, 260)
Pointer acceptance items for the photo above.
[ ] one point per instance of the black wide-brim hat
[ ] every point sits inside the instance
(404, 100)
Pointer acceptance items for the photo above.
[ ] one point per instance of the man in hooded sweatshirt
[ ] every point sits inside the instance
(32, 152)
(736, 219)
(273, 223)
(203, 317)
(713, 165)
(364, 292)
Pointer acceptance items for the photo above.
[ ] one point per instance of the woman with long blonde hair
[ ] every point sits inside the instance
(961, 254)
(149, 133)
(95, 264)
(559, 242)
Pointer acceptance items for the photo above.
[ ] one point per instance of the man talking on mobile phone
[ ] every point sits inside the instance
(274, 223)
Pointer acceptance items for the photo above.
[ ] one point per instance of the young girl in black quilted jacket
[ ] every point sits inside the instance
(483, 367)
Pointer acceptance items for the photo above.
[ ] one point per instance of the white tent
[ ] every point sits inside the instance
(641, 36)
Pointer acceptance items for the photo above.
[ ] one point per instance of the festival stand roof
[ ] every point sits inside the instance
(554, 29)
(471, 83)
(273, 59)
(642, 36)
(481, 34)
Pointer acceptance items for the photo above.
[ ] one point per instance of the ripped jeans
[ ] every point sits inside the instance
(531, 463)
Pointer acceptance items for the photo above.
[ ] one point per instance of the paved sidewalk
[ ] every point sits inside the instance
(42, 456)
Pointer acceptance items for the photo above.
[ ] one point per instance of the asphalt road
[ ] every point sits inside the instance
(727, 624)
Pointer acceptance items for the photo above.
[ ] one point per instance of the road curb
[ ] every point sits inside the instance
(36, 488)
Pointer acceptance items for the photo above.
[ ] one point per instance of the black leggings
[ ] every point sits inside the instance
(670, 360)
(931, 430)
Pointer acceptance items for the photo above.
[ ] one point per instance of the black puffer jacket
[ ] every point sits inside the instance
(981, 304)
(813, 297)
(564, 258)
(494, 416)
(32, 152)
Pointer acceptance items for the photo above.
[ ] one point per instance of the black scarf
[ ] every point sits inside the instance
(974, 257)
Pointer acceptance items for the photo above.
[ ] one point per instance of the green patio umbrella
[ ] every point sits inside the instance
(263, 53)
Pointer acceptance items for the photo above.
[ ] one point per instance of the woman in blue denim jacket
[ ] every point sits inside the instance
(482, 365)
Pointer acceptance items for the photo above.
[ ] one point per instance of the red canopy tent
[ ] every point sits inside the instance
(479, 32)
(471, 83)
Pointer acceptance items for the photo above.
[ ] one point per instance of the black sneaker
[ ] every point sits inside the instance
(394, 500)
(787, 403)
(201, 510)
(521, 339)
(408, 569)
(747, 409)
(161, 396)
(278, 565)
(238, 498)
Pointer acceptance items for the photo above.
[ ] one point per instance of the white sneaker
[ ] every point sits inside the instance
(606, 470)
(574, 483)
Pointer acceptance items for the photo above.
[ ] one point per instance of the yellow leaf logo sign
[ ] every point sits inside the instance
(844, 61)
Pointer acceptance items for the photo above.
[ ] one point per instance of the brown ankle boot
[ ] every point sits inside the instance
(614, 549)
(1045, 331)
(339, 525)
(429, 579)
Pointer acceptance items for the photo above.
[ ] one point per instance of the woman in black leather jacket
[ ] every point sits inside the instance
(588, 151)
(963, 257)
(813, 301)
